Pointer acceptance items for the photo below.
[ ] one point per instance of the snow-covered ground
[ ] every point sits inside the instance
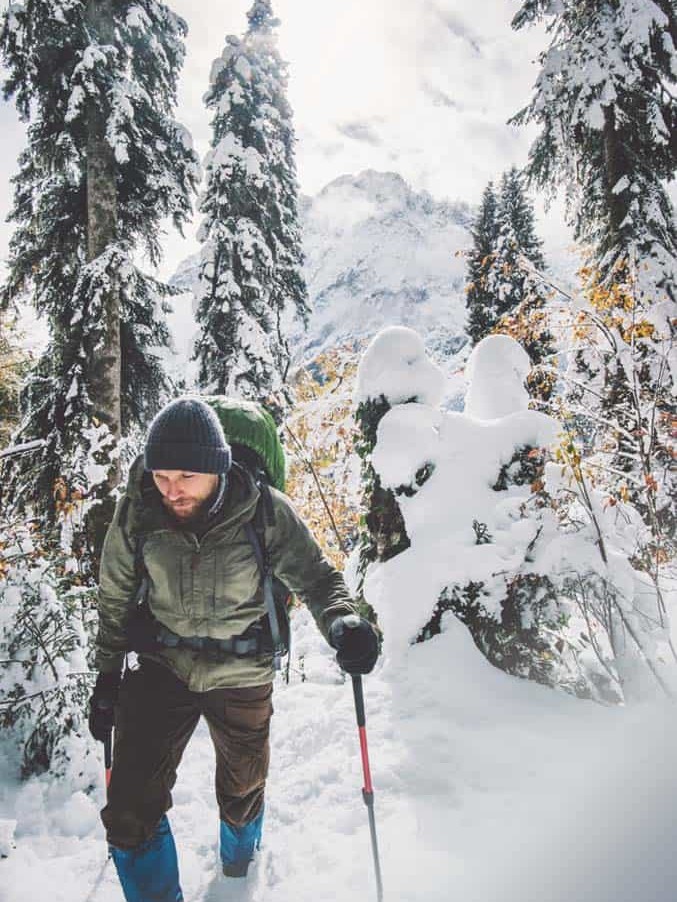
(487, 788)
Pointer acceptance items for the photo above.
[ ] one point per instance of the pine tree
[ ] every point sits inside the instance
(605, 105)
(503, 294)
(516, 240)
(250, 283)
(604, 101)
(521, 302)
(480, 302)
(105, 162)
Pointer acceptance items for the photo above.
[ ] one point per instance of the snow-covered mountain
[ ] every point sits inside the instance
(378, 253)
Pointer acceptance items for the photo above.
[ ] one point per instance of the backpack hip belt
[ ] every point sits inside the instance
(253, 642)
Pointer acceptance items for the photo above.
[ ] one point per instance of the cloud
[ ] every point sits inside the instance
(359, 131)
(438, 97)
(454, 22)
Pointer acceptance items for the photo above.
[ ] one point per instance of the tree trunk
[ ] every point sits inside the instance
(105, 368)
(615, 166)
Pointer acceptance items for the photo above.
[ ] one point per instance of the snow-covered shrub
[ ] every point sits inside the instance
(393, 370)
(48, 594)
(488, 539)
(47, 617)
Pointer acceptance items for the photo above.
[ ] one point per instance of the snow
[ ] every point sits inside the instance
(486, 787)
(496, 370)
(7, 828)
(137, 18)
(395, 365)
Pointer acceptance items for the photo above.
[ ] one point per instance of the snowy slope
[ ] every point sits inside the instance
(377, 254)
(487, 788)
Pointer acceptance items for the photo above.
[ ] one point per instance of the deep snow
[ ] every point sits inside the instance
(487, 788)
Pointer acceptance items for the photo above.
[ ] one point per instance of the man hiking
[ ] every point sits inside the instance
(185, 582)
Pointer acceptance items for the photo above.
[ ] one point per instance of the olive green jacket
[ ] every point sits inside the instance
(208, 586)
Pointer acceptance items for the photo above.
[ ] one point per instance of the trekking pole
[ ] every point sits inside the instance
(368, 790)
(108, 756)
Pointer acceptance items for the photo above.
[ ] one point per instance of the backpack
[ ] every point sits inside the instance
(253, 437)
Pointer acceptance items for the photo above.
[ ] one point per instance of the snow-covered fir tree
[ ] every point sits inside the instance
(604, 100)
(104, 164)
(515, 279)
(504, 293)
(516, 240)
(479, 300)
(251, 284)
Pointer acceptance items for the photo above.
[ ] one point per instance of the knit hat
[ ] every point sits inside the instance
(187, 435)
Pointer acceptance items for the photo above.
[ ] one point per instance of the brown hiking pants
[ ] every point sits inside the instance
(155, 718)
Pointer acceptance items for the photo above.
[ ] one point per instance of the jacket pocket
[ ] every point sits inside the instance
(236, 578)
(167, 561)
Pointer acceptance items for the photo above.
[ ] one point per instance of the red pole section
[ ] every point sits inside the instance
(365, 760)
(108, 756)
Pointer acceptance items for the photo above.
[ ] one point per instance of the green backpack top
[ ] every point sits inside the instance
(248, 428)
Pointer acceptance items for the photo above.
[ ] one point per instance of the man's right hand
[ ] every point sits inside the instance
(101, 705)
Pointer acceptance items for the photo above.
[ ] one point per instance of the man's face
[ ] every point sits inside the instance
(183, 492)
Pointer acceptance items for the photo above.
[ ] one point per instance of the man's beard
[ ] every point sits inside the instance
(187, 513)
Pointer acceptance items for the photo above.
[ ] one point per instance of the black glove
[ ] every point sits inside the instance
(356, 643)
(101, 705)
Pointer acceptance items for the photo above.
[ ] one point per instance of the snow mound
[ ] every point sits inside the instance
(395, 366)
(496, 371)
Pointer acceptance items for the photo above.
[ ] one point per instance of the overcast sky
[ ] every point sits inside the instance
(420, 87)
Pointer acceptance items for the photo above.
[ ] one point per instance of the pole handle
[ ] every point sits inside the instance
(359, 699)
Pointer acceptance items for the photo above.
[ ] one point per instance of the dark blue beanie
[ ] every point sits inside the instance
(187, 435)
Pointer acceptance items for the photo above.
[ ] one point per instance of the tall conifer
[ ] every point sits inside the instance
(479, 300)
(502, 294)
(604, 100)
(605, 104)
(105, 162)
(250, 284)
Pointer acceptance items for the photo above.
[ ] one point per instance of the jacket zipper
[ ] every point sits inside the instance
(194, 563)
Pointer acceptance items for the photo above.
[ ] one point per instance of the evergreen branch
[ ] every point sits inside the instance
(17, 702)
(35, 632)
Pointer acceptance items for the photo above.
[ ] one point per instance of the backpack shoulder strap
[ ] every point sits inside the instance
(255, 531)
